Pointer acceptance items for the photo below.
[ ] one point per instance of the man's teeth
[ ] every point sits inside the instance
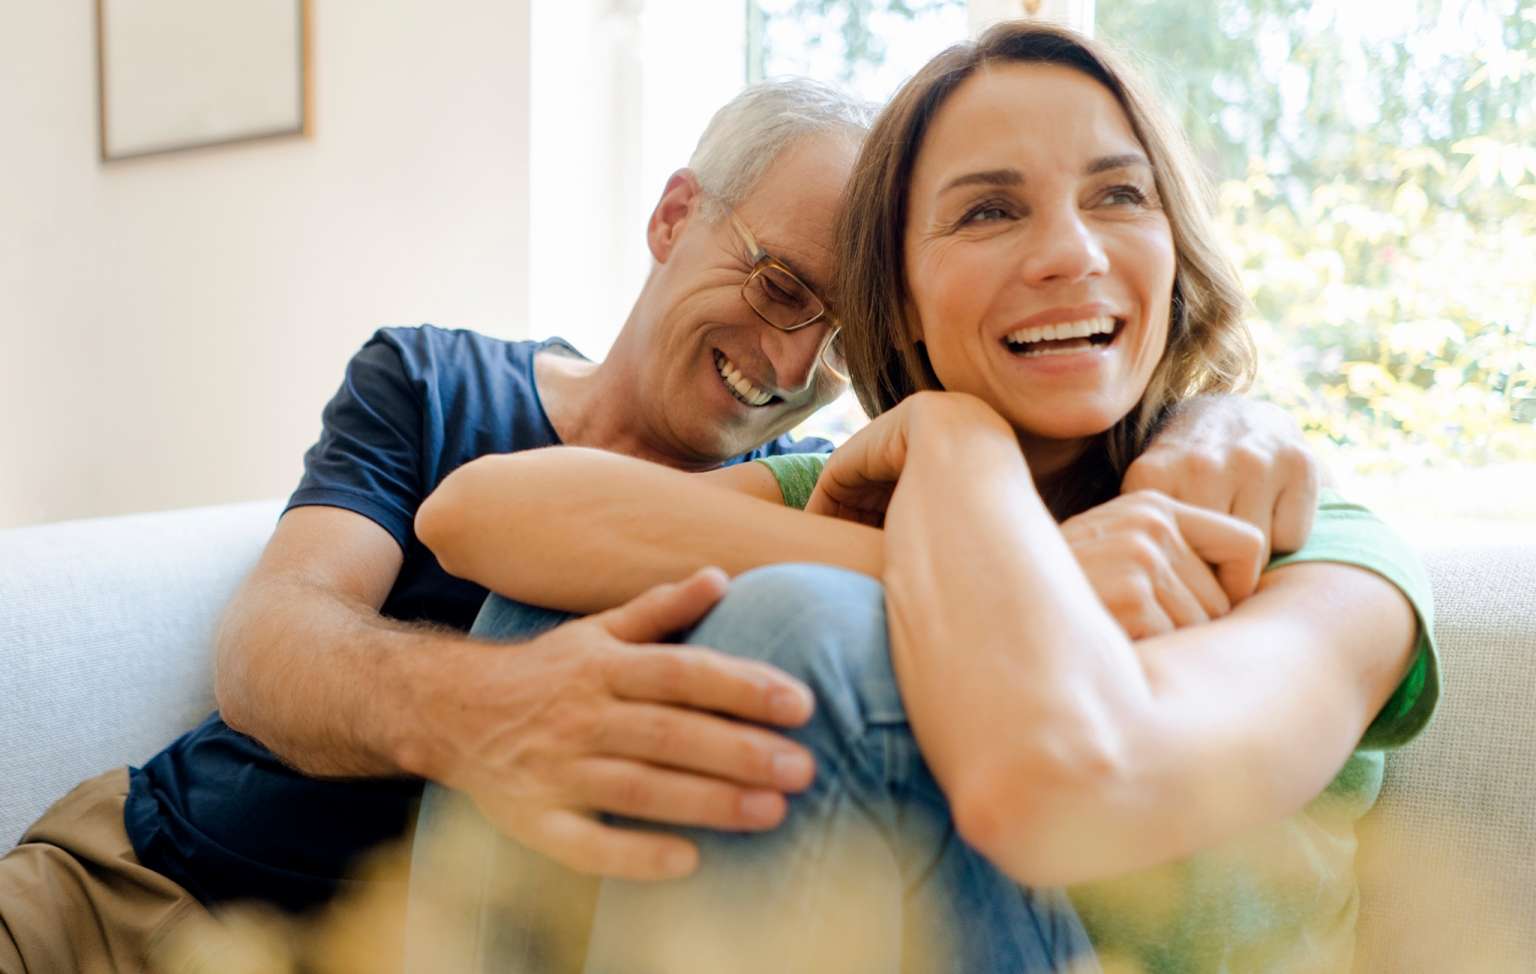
(745, 390)
(1066, 330)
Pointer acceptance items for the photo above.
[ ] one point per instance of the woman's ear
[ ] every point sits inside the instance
(679, 203)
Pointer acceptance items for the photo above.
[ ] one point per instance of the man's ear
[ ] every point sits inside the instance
(678, 204)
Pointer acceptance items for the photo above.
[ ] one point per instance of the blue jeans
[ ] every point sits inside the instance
(866, 873)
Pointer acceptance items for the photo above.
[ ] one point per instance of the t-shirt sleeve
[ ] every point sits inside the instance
(1349, 534)
(786, 444)
(796, 474)
(368, 457)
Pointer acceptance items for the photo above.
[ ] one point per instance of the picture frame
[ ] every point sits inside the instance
(186, 74)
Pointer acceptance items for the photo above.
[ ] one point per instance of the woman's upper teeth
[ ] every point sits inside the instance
(1069, 329)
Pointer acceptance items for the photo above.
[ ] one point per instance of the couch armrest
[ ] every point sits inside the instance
(1447, 867)
(106, 627)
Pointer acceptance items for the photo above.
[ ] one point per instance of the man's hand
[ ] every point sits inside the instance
(1239, 457)
(1159, 564)
(591, 717)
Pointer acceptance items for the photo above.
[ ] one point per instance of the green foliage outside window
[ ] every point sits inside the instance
(1378, 185)
(1376, 176)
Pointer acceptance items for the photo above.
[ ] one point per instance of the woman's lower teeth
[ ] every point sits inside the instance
(1054, 348)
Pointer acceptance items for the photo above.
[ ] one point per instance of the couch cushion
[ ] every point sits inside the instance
(1448, 871)
(106, 628)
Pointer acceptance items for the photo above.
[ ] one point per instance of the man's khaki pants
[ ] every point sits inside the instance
(73, 896)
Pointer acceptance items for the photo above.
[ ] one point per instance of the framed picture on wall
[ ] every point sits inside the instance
(180, 74)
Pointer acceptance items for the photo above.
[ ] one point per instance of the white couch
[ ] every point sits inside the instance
(106, 627)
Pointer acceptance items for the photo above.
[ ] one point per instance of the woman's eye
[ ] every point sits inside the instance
(1125, 196)
(986, 213)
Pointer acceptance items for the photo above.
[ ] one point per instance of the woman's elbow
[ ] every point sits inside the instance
(440, 520)
(1032, 819)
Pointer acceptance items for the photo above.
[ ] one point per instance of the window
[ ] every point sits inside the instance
(1375, 166)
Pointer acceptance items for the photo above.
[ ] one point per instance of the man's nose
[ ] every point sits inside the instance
(795, 354)
(1062, 248)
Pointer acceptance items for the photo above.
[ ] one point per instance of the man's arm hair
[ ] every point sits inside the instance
(308, 666)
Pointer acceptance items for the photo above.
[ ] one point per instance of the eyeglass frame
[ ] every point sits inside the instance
(761, 259)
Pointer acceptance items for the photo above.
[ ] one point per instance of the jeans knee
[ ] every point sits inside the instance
(822, 625)
(506, 620)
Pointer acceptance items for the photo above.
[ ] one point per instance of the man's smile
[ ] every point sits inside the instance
(739, 385)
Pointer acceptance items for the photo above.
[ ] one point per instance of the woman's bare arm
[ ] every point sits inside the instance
(1068, 751)
(585, 530)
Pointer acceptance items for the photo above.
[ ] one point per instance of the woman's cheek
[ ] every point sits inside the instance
(963, 284)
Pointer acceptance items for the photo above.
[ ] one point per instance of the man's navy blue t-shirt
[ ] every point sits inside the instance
(216, 811)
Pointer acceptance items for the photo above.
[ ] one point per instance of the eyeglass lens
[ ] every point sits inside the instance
(779, 297)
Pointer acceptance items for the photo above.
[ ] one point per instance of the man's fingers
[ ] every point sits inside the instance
(665, 609)
(707, 680)
(706, 744)
(1235, 547)
(674, 797)
(578, 842)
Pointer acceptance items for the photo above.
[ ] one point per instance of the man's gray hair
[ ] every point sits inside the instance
(747, 134)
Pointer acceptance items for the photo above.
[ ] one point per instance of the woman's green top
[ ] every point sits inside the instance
(1282, 897)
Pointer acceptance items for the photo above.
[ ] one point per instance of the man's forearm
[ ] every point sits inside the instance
(331, 687)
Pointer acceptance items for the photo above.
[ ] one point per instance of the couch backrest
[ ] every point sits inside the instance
(1448, 856)
(106, 639)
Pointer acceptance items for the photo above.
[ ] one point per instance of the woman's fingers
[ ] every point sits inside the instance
(1201, 584)
(1294, 513)
(1235, 549)
(1177, 599)
(1255, 503)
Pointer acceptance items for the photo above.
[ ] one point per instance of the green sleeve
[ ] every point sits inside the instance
(1351, 535)
(796, 474)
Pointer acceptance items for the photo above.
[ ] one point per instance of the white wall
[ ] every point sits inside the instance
(621, 91)
(171, 327)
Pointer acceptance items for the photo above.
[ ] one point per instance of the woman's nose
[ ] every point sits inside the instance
(1063, 248)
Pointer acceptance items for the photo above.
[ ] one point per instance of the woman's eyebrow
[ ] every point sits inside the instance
(985, 177)
(1123, 161)
(1013, 177)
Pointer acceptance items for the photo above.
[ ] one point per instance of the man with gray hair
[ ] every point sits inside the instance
(345, 676)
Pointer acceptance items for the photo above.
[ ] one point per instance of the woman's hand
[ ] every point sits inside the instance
(1159, 564)
(861, 475)
(1228, 454)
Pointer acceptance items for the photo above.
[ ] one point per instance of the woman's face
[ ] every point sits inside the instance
(1039, 261)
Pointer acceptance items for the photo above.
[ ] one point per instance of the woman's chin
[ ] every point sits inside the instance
(1065, 427)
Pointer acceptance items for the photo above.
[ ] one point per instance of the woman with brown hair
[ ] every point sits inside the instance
(1030, 282)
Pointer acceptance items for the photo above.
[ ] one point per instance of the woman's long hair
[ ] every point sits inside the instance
(1209, 349)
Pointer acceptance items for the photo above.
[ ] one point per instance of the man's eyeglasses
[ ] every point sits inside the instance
(786, 302)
